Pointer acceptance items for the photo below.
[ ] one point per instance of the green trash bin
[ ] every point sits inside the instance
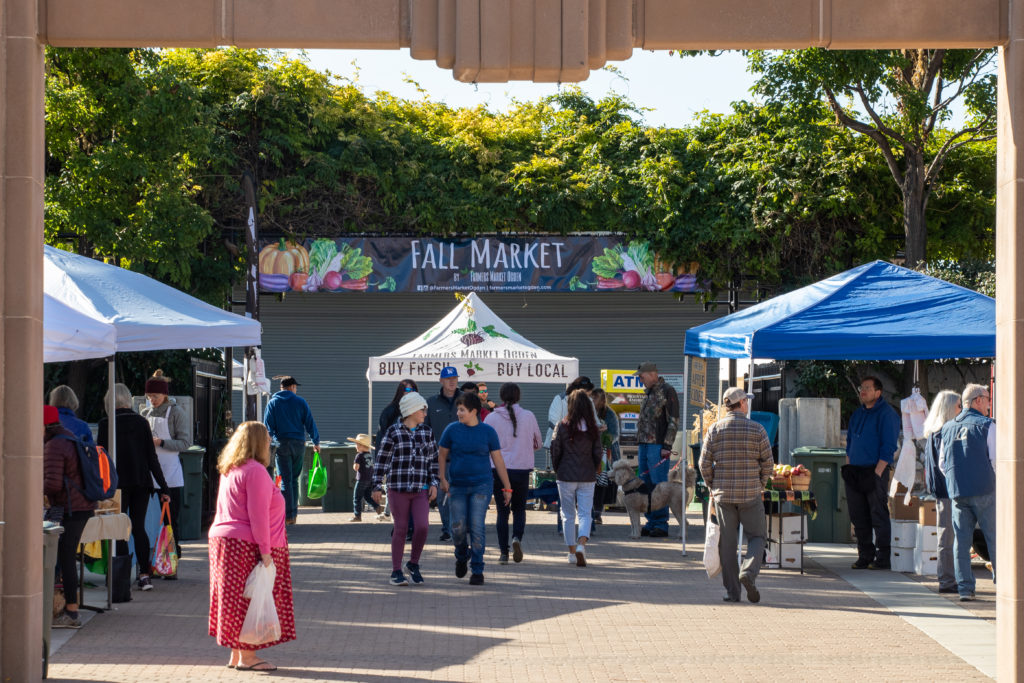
(832, 525)
(51, 537)
(341, 478)
(190, 517)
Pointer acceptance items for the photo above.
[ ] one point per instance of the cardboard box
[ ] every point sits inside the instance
(927, 513)
(927, 538)
(790, 555)
(926, 562)
(788, 527)
(897, 509)
(902, 559)
(904, 534)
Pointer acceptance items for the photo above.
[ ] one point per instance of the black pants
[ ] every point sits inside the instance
(867, 497)
(134, 502)
(175, 509)
(67, 551)
(520, 480)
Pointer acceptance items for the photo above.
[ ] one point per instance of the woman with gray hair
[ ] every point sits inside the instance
(137, 468)
(64, 400)
(944, 408)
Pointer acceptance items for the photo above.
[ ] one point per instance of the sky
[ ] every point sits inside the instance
(672, 89)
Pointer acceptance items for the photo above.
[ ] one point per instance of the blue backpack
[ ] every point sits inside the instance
(99, 475)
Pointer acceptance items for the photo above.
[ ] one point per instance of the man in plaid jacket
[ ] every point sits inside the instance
(736, 463)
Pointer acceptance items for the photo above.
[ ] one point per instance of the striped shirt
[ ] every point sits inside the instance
(736, 460)
(407, 459)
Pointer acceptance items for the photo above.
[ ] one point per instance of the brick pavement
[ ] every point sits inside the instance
(639, 612)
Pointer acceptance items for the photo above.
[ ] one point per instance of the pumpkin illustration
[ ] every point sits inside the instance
(284, 258)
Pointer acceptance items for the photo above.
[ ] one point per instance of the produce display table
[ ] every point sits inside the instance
(806, 505)
(104, 528)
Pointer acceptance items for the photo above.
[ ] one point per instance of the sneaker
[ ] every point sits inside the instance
(355, 518)
(572, 558)
(145, 584)
(659, 533)
(445, 536)
(752, 593)
(597, 520)
(503, 558)
(950, 589)
(381, 516)
(414, 572)
(879, 565)
(398, 579)
(581, 556)
(290, 521)
(461, 566)
(65, 620)
(476, 580)
(517, 550)
(967, 597)
(644, 531)
(860, 564)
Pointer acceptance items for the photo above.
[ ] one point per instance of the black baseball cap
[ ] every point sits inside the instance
(289, 381)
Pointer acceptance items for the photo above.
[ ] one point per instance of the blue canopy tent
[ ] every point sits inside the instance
(877, 311)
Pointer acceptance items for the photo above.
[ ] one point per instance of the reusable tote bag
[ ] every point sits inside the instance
(317, 478)
(165, 559)
(712, 562)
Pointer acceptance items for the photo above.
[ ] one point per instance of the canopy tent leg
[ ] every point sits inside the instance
(369, 407)
(683, 456)
(750, 385)
(245, 388)
(111, 409)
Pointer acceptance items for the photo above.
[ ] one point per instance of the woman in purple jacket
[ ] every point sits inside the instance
(519, 435)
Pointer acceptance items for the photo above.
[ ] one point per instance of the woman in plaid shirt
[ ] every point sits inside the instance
(407, 459)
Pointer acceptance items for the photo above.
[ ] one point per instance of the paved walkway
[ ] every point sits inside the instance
(639, 612)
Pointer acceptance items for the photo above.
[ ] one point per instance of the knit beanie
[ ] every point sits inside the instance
(410, 403)
(157, 384)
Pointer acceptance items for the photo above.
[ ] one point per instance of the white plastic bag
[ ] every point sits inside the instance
(712, 534)
(261, 624)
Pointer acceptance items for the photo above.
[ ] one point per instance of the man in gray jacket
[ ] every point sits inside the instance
(441, 412)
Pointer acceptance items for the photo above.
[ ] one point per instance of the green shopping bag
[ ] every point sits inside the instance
(317, 478)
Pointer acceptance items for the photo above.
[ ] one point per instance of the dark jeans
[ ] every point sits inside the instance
(175, 510)
(867, 496)
(363, 492)
(289, 466)
(520, 480)
(67, 551)
(134, 502)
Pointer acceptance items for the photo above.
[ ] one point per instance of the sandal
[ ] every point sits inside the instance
(258, 666)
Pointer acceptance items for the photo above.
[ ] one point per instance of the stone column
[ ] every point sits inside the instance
(21, 344)
(1009, 398)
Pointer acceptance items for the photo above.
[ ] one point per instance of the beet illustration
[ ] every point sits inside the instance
(471, 338)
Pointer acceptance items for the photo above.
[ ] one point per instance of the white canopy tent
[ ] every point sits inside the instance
(140, 313)
(479, 344)
(69, 334)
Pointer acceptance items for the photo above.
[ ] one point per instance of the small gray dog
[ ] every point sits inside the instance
(633, 494)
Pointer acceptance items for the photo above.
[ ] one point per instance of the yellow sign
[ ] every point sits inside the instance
(698, 381)
(621, 382)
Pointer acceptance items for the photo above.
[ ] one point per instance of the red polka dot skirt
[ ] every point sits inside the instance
(231, 561)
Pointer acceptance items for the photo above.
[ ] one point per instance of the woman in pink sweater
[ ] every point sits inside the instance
(519, 435)
(247, 529)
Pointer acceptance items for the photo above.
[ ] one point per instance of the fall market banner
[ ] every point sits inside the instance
(482, 264)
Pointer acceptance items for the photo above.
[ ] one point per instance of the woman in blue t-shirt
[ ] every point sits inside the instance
(469, 447)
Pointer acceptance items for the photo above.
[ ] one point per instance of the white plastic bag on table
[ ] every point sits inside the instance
(261, 624)
(712, 534)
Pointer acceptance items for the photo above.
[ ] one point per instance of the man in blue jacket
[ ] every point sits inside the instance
(968, 463)
(870, 446)
(289, 419)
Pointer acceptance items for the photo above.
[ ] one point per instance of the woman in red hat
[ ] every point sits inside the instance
(67, 506)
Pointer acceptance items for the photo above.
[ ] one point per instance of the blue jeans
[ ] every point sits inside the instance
(968, 510)
(575, 504)
(648, 457)
(289, 467)
(468, 506)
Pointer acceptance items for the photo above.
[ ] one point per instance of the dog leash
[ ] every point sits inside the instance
(656, 465)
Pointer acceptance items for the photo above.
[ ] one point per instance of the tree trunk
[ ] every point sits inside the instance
(915, 199)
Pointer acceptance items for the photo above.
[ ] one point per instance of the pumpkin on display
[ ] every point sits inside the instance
(284, 258)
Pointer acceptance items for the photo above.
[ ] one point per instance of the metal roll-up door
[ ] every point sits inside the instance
(325, 340)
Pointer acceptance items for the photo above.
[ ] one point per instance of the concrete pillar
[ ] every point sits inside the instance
(1009, 400)
(21, 344)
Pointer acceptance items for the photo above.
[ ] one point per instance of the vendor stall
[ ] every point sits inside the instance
(877, 311)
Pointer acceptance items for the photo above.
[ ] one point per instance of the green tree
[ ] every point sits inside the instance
(900, 100)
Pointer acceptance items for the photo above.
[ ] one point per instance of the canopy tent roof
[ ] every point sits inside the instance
(146, 315)
(71, 335)
(877, 311)
(479, 345)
